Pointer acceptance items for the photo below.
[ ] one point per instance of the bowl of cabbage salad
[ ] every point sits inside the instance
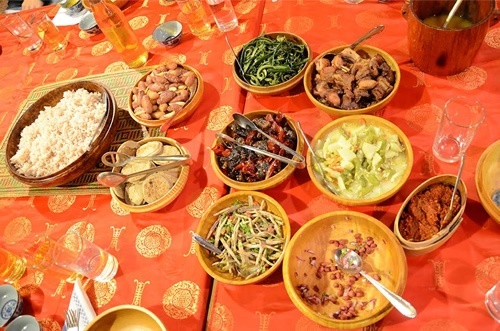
(366, 158)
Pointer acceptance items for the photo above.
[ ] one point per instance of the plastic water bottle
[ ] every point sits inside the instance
(224, 14)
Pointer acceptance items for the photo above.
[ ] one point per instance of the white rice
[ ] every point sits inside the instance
(60, 134)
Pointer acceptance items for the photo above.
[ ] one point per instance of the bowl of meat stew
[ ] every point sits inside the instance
(343, 82)
(420, 225)
(245, 170)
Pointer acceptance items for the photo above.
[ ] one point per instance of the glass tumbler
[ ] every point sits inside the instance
(195, 15)
(492, 301)
(43, 25)
(25, 35)
(12, 267)
(74, 252)
(459, 121)
(223, 13)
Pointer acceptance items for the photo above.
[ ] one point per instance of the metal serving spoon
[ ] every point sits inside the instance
(247, 123)
(449, 214)
(112, 179)
(206, 244)
(452, 13)
(117, 159)
(260, 151)
(327, 183)
(350, 262)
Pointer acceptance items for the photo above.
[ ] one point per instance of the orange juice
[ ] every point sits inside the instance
(51, 35)
(12, 267)
(195, 16)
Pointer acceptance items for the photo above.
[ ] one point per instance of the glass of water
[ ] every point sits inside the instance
(25, 35)
(460, 119)
(492, 301)
(223, 13)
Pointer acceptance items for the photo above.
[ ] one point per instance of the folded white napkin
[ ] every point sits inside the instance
(62, 18)
(80, 300)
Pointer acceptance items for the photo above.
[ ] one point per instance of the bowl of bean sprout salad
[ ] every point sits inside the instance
(251, 229)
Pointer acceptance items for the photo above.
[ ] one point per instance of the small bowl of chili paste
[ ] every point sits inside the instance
(242, 169)
(418, 224)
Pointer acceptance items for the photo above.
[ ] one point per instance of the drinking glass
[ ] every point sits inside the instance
(223, 13)
(20, 29)
(492, 301)
(12, 267)
(195, 16)
(459, 121)
(74, 252)
(48, 32)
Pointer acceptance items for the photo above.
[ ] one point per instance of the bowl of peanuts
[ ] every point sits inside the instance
(327, 295)
(163, 92)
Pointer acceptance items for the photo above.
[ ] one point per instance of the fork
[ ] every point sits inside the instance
(72, 320)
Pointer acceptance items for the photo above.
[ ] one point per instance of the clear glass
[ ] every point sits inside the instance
(76, 253)
(459, 121)
(195, 15)
(492, 301)
(47, 31)
(25, 35)
(223, 13)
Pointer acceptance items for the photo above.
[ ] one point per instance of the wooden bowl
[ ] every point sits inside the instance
(368, 120)
(170, 196)
(126, 318)
(263, 184)
(371, 51)
(488, 179)
(313, 245)
(208, 219)
(429, 245)
(85, 162)
(186, 111)
(278, 88)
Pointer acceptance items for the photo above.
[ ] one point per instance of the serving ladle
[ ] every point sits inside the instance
(247, 123)
(350, 262)
(117, 159)
(112, 179)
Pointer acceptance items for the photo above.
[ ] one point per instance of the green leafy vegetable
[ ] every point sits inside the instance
(268, 62)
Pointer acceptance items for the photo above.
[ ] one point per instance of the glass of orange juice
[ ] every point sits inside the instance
(195, 16)
(47, 31)
(12, 267)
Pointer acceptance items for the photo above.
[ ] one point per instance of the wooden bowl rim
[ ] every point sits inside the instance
(263, 184)
(113, 310)
(187, 110)
(436, 241)
(370, 119)
(58, 178)
(208, 217)
(343, 112)
(171, 195)
(324, 320)
(281, 87)
(491, 208)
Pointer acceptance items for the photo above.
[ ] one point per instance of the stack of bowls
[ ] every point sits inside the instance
(100, 144)
(11, 304)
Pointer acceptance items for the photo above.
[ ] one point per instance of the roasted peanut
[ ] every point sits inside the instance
(163, 107)
(166, 97)
(171, 65)
(160, 79)
(146, 104)
(182, 96)
(149, 79)
(156, 87)
(145, 116)
(157, 115)
(153, 95)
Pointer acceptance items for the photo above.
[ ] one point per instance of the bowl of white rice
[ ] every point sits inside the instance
(62, 135)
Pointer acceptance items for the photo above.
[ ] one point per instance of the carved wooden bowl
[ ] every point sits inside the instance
(84, 163)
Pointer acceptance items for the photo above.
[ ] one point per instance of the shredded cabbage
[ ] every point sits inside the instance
(362, 161)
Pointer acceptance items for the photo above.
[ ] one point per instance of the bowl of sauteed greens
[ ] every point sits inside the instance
(366, 159)
(244, 169)
(272, 63)
(252, 231)
(342, 81)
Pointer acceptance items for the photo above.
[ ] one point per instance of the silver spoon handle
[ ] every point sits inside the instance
(259, 151)
(398, 302)
(280, 144)
(206, 244)
(369, 34)
(315, 158)
(460, 168)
